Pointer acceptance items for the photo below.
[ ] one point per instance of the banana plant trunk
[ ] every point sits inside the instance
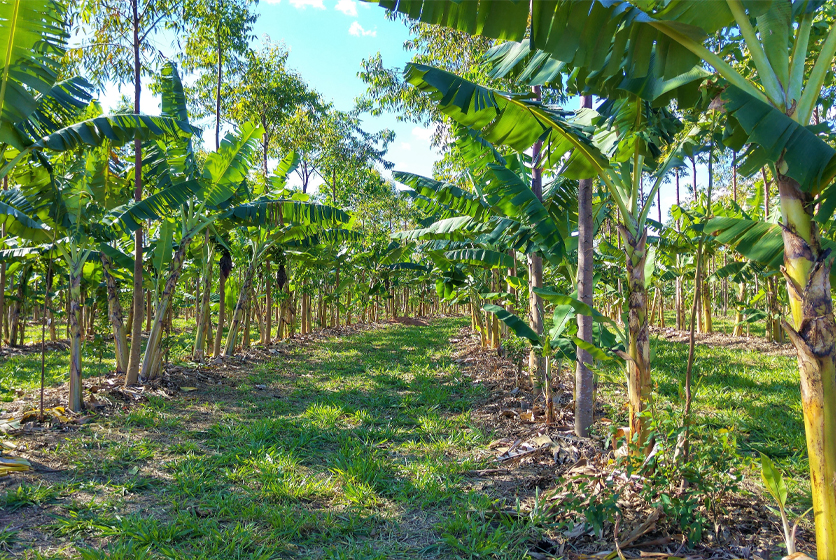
(267, 334)
(150, 363)
(813, 333)
(204, 318)
(74, 325)
(738, 315)
(2, 296)
(15, 326)
(240, 307)
(638, 335)
(224, 270)
(114, 313)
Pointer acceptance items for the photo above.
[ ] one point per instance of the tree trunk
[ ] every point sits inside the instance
(136, 325)
(813, 333)
(114, 312)
(240, 305)
(152, 349)
(584, 389)
(337, 294)
(536, 364)
(216, 349)
(224, 269)
(17, 306)
(638, 349)
(203, 317)
(248, 313)
(738, 315)
(3, 299)
(267, 336)
(218, 96)
(706, 307)
(75, 403)
(148, 307)
(3, 279)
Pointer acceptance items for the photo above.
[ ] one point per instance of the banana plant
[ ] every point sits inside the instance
(790, 45)
(266, 224)
(619, 145)
(561, 340)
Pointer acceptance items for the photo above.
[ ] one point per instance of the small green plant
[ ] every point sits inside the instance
(27, 495)
(773, 480)
(8, 535)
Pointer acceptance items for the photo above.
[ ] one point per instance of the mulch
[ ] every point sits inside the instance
(535, 461)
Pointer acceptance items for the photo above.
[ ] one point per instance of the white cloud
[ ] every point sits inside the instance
(357, 30)
(425, 134)
(348, 7)
(406, 146)
(302, 4)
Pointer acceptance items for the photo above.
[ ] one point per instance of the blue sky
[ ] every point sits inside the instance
(327, 40)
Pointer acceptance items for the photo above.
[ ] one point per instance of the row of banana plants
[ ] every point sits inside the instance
(753, 72)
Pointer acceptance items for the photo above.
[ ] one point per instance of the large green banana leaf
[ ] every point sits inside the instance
(58, 108)
(459, 228)
(809, 159)
(537, 67)
(450, 196)
(20, 225)
(228, 167)
(760, 242)
(484, 258)
(165, 202)
(520, 328)
(33, 38)
(604, 35)
(512, 120)
(277, 212)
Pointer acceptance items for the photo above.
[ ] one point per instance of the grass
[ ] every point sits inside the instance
(357, 448)
(22, 371)
(753, 395)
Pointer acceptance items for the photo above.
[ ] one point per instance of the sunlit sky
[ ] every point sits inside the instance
(327, 40)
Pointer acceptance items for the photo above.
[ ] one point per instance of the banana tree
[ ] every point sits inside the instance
(619, 145)
(791, 45)
(268, 223)
(561, 339)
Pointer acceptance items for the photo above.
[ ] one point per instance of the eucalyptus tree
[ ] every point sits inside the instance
(227, 26)
(116, 46)
(266, 91)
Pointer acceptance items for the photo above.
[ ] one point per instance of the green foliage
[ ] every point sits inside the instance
(773, 481)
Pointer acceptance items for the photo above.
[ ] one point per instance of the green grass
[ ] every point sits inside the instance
(357, 448)
(23, 371)
(755, 396)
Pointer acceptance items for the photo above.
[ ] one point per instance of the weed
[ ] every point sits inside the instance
(28, 495)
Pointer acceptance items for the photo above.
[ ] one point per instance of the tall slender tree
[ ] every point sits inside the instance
(226, 26)
(584, 395)
(116, 46)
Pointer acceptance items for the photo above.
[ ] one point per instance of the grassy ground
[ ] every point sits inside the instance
(349, 448)
(22, 371)
(752, 394)
(355, 449)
